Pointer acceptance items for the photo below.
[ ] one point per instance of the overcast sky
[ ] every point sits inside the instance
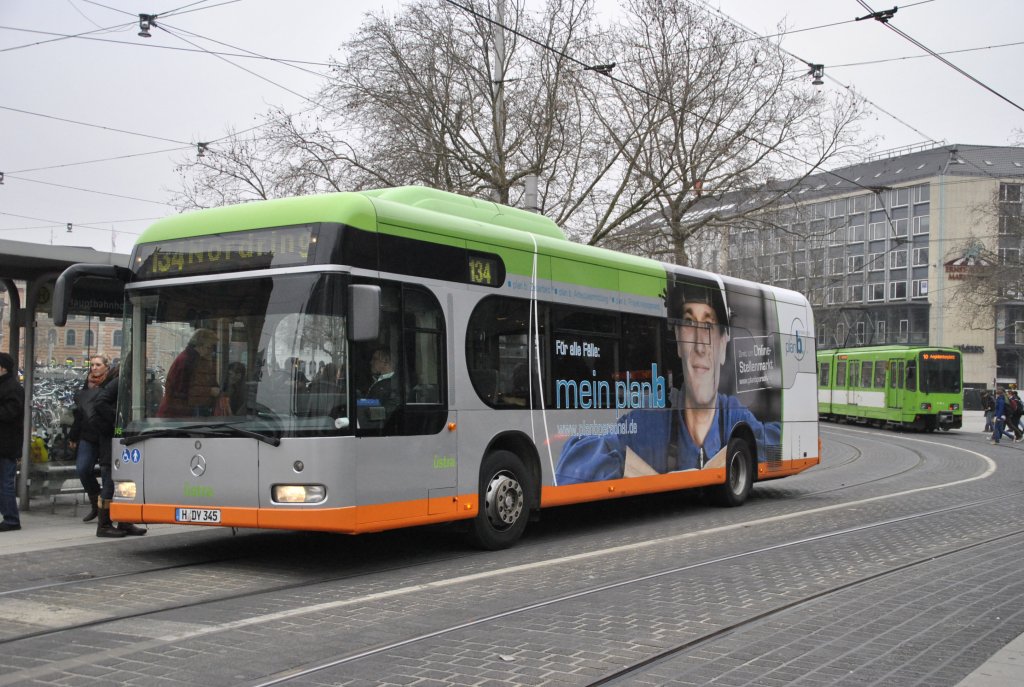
(174, 98)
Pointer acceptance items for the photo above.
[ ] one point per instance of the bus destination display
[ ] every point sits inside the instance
(229, 252)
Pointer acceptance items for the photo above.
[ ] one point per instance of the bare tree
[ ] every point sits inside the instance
(693, 110)
(423, 98)
(700, 109)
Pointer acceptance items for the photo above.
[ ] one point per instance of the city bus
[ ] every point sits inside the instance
(911, 387)
(524, 370)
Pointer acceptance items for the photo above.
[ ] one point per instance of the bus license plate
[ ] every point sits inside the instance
(199, 515)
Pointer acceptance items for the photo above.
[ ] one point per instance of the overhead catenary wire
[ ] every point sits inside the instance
(942, 59)
(176, 48)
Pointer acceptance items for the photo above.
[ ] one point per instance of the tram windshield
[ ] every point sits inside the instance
(940, 373)
(264, 357)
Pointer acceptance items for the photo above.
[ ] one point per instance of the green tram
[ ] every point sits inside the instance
(912, 387)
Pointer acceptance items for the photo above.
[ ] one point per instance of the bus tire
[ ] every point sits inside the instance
(504, 505)
(739, 476)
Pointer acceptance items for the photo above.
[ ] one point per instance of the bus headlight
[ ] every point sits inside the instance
(954, 406)
(124, 490)
(299, 493)
(926, 406)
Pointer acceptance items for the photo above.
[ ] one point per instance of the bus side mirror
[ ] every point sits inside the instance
(363, 312)
(66, 283)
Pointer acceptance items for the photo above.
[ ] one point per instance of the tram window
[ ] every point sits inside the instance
(899, 375)
(865, 374)
(854, 373)
(911, 376)
(841, 373)
(880, 367)
(823, 374)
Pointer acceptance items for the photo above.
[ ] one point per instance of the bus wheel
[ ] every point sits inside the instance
(739, 476)
(504, 509)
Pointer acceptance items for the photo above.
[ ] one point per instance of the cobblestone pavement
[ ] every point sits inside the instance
(773, 593)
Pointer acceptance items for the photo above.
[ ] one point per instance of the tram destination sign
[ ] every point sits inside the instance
(227, 252)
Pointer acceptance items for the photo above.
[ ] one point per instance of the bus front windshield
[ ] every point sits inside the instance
(265, 355)
(940, 373)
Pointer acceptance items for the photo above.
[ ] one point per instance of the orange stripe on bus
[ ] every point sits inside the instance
(629, 486)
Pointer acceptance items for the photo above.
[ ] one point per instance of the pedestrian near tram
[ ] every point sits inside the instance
(999, 415)
(12, 416)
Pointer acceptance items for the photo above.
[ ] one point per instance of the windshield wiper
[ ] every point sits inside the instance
(207, 429)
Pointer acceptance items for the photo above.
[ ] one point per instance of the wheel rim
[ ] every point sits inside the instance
(737, 472)
(503, 500)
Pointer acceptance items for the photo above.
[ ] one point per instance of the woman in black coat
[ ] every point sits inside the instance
(92, 434)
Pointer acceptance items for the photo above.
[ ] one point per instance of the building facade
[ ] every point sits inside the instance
(898, 249)
(71, 345)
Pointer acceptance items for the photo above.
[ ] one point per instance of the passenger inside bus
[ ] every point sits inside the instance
(191, 388)
(235, 390)
(327, 393)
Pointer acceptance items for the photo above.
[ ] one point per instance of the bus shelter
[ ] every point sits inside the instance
(38, 266)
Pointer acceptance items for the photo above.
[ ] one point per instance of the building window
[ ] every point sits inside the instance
(876, 262)
(855, 264)
(118, 338)
(835, 295)
(855, 234)
(899, 227)
(89, 339)
(897, 290)
(897, 259)
(1010, 193)
(899, 197)
(69, 337)
(835, 266)
(922, 193)
(858, 334)
(904, 331)
(922, 224)
(920, 257)
(1009, 256)
(876, 231)
(856, 293)
(880, 331)
(876, 292)
(878, 201)
(919, 288)
(836, 237)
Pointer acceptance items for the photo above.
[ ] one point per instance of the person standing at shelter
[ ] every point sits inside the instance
(85, 453)
(12, 417)
(92, 435)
